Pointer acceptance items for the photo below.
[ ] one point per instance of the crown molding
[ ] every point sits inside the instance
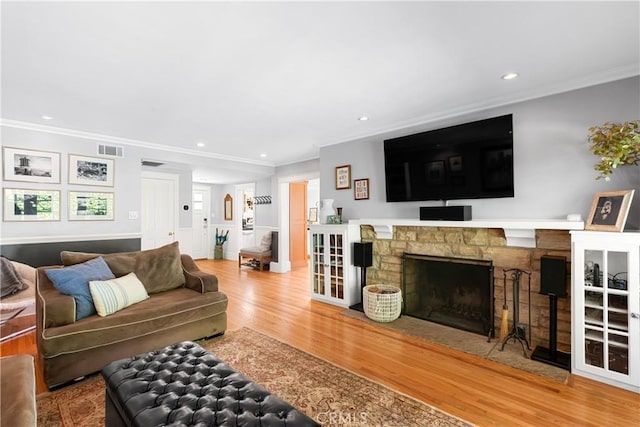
(124, 141)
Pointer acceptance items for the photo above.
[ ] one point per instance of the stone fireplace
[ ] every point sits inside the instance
(456, 292)
(485, 243)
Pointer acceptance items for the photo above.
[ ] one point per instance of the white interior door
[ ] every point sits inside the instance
(159, 209)
(201, 204)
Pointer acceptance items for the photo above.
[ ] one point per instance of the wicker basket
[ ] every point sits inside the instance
(382, 307)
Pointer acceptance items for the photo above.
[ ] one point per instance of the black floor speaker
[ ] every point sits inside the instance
(363, 254)
(553, 276)
(553, 280)
(445, 213)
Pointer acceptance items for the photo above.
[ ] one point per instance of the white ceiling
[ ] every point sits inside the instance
(286, 78)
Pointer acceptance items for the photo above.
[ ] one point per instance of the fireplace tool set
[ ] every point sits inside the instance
(516, 332)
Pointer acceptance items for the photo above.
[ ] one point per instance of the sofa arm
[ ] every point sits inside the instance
(197, 279)
(53, 307)
(18, 390)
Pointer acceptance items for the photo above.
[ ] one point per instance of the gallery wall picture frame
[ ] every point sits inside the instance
(361, 189)
(85, 170)
(91, 206)
(343, 177)
(23, 204)
(25, 165)
(609, 210)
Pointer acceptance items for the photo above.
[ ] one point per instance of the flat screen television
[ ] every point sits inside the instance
(467, 161)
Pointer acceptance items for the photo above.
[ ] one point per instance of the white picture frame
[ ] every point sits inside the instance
(24, 204)
(91, 206)
(25, 165)
(96, 171)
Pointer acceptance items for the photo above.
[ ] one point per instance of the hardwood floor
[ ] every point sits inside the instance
(480, 391)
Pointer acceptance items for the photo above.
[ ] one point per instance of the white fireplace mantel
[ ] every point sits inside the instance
(518, 232)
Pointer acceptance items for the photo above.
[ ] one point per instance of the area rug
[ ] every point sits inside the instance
(468, 342)
(330, 395)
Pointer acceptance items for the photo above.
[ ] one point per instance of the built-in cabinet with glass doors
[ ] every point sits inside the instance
(333, 277)
(606, 307)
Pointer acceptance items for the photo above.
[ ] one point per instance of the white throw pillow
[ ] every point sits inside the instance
(113, 295)
(265, 242)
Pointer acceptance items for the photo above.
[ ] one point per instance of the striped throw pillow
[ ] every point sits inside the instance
(113, 295)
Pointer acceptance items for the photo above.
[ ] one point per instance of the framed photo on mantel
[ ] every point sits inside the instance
(609, 210)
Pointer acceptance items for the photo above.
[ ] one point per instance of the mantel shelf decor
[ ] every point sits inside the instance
(518, 232)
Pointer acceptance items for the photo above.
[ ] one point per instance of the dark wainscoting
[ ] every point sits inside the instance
(39, 254)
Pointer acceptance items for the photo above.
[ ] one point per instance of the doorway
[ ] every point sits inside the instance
(298, 253)
(201, 203)
(159, 209)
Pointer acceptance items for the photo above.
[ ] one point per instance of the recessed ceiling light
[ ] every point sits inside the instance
(510, 76)
(200, 144)
(263, 155)
(363, 118)
(47, 117)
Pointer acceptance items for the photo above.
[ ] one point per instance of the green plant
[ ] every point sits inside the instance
(616, 144)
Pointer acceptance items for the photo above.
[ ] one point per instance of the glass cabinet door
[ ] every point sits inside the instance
(317, 255)
(336, 263)
(606, 310)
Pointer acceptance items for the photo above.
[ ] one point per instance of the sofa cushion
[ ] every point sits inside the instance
(158, 269)
(113, 295)
(179, 308)
(74, 281)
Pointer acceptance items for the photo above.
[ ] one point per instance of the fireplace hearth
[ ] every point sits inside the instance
(456, 292)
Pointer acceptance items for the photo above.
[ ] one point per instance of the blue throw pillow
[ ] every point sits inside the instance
(75, 280)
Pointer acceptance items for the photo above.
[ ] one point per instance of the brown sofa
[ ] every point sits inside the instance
(184, 304)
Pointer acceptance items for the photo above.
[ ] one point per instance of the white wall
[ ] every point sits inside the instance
(554, 173)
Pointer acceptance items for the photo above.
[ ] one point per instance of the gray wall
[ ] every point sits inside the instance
(554, 173)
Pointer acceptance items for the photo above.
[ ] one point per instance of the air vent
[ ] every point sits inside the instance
(111, 150)
(151, 163)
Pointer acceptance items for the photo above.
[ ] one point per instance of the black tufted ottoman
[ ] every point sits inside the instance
(184, 385)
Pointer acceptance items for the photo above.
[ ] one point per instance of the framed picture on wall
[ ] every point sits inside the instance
(90, 206)
(343, 177)
(609, 210)
(90, 170)
(361, 189)
(228, 208)
(31, 165)
(21, 204)
(313, 215)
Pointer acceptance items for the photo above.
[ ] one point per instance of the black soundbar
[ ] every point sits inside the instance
(445, 213)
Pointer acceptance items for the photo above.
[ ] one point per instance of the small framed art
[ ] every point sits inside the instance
(90, 206)
(228, 208)
(361, 188)
(31, 166)
(21, 204)
(90, 170)
(343, 177)
(609, 210)
(313, 215)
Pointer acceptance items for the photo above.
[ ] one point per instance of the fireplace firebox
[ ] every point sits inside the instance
(456, 292)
